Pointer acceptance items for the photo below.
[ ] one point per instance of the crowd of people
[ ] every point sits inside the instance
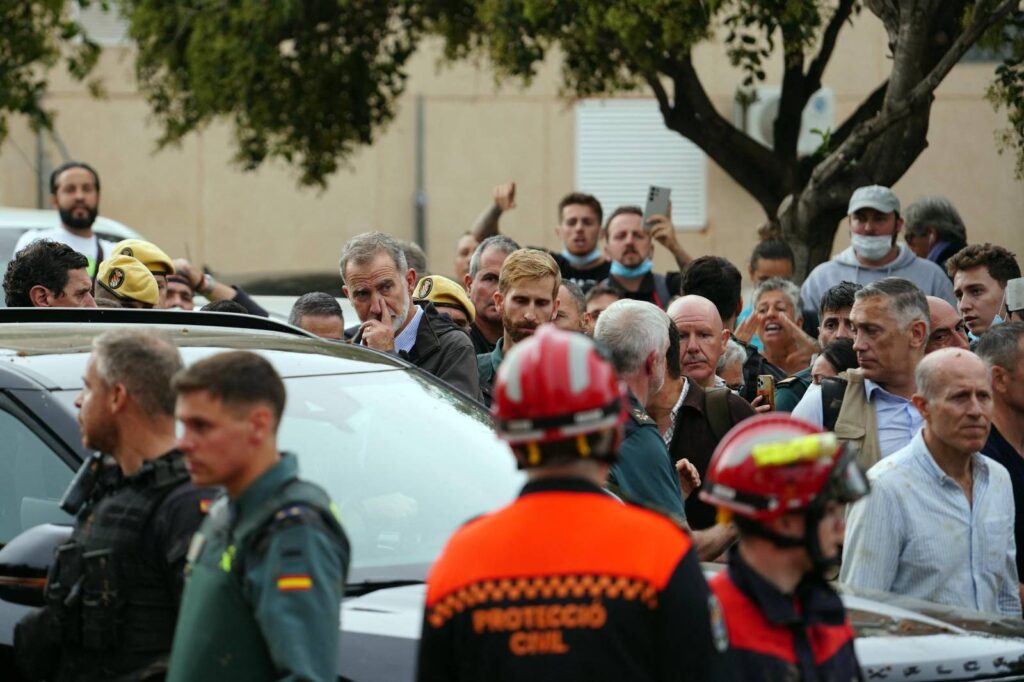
(867, 424)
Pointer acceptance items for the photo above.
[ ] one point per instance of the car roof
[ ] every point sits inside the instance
(46, 345)
(43, 219)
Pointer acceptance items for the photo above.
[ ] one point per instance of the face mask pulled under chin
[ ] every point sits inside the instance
(871, 247)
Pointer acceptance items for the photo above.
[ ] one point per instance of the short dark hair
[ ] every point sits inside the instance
(771, 249)
(1002, 265)
(840, 354)
(621, 210)
(235, 378)
(68, 166)
(224, 306)
(576, 292)
(601, 290)
(673, 364)
(44, 263)
(415, 257)
(581, 198)
(838, 297)
(717, 280)
(315, 303)
(1000, 345)
(936, 212)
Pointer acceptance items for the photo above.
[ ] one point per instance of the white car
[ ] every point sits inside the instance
(15, 222)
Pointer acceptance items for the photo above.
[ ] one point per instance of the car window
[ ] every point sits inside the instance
(406, 461)
(32, 481)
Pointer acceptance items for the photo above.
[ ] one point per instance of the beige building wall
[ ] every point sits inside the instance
(194, 200)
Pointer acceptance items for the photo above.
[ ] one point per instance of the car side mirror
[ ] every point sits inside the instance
(25, 561)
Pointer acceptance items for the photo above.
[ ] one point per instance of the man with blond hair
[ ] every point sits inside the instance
(527, 297)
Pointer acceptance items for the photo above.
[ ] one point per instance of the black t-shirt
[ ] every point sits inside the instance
(586, 278)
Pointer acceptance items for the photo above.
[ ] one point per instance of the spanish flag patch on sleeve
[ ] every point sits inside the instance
(204, 506)
(294, 583)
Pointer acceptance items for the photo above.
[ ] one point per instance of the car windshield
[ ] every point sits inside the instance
(406, 461)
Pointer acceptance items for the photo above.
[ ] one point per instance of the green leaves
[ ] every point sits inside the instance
(34, 35)
(304, 82)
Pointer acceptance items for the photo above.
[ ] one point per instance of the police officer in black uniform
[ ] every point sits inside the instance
(567, 582)
(114, 588)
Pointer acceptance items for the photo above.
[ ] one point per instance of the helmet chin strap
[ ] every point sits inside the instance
(820, 564)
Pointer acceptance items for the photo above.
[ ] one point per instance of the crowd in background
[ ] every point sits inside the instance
(908, 345)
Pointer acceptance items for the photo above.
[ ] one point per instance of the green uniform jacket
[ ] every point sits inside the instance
(487, 364)
(644, 473)
(264, 582)
(790, 390)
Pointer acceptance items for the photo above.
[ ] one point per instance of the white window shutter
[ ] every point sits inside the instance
(623, 147)
(104, 27)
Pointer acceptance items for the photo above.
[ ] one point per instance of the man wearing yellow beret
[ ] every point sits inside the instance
(150, 255)
(126, 281)
(449, 298)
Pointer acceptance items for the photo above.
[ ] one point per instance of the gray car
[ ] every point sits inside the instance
(407, 458)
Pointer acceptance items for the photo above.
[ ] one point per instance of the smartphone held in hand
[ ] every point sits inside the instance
(657, 203)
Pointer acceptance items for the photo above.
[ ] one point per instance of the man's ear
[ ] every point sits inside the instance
(410, 279)
(554, 307)
(1000, 380)
(53, 201)
(921, 404)
(499, 301)
(344, 289)
(918, 334)
(725, 339)
(467, 282)
(118, 394)
(261, 421)
(39, 295)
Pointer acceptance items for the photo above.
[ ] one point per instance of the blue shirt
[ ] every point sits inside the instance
(897, 418)
(407, 339)
(916, 534)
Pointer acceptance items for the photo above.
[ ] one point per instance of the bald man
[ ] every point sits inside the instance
(702, 338)
(704, 409)
(947, 329)
(938, 524)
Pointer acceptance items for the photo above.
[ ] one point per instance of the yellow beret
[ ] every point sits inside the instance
(128, 278)
(149, 254)
(442, 291)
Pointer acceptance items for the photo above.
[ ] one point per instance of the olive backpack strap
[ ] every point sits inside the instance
(716, 410)
(832, 391)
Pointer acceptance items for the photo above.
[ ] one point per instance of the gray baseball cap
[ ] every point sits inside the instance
(873, 196)
(1015, 294)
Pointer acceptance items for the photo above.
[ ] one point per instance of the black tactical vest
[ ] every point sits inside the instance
(110, 584)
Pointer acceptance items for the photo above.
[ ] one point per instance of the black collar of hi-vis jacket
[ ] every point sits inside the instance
(818, 603)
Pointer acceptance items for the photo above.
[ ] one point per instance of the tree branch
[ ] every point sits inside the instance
(828, 44)
(693, 115)
(792, 100)
(869, 130)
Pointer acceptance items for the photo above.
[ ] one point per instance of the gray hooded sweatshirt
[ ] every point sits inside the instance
(845, 267)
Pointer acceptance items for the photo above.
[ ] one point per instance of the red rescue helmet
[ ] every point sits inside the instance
(555, 393)
(772, 464)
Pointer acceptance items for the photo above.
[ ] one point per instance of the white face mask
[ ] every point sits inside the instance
(871, 248)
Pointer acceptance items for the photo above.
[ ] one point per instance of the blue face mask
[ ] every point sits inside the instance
(998, 319)
(621, 270)
(581, 261)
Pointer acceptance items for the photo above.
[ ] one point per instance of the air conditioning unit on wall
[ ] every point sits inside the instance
(761, 114)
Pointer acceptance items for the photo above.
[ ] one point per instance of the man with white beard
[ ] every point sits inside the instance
(379, 283)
